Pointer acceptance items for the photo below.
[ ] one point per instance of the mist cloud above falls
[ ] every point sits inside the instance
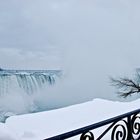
(96, 38)
(99, 41)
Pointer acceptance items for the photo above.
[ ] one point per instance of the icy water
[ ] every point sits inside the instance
(29, 81)
(19, 89)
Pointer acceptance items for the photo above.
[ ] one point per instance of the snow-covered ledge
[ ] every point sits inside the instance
(39, 126)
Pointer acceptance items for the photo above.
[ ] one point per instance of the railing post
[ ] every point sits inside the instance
(129, 128)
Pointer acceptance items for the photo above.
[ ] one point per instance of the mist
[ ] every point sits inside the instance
(98, 40)
(89, 41)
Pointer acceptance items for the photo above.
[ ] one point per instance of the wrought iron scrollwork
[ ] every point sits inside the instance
(120, 131)
(87, 136)
(135, 121)
(125, 130)
(122, 127)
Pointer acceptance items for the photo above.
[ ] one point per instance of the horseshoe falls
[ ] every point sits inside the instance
(20, 90)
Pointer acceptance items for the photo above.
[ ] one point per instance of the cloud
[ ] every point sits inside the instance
(14, 58)
(94, 39)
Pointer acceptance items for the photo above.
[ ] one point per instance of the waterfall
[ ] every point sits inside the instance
(19, 90)
(29, 81)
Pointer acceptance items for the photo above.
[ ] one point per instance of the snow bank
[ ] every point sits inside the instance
(6, 133)
(38, 126)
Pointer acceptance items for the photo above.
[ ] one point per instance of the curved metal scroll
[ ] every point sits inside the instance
(87, 136)
(120, 131)
(125, 129)
(135, 121)
(122, 127)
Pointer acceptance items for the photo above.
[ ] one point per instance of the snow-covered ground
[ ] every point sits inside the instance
(90, 40)
(39, 126)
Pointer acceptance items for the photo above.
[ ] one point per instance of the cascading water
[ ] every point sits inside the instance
(23, 84)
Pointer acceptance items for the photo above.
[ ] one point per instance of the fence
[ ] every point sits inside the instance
(122, 127)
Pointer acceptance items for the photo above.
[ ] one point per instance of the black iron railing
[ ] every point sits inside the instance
(123, 127)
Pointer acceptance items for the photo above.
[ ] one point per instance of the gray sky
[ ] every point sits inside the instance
(24, 36)
(88, 39)
(47, 28)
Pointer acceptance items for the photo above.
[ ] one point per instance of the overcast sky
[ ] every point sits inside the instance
(34, 33)
(89, 39)
(25, 41)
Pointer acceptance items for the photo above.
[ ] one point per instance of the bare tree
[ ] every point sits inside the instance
(127, 86)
